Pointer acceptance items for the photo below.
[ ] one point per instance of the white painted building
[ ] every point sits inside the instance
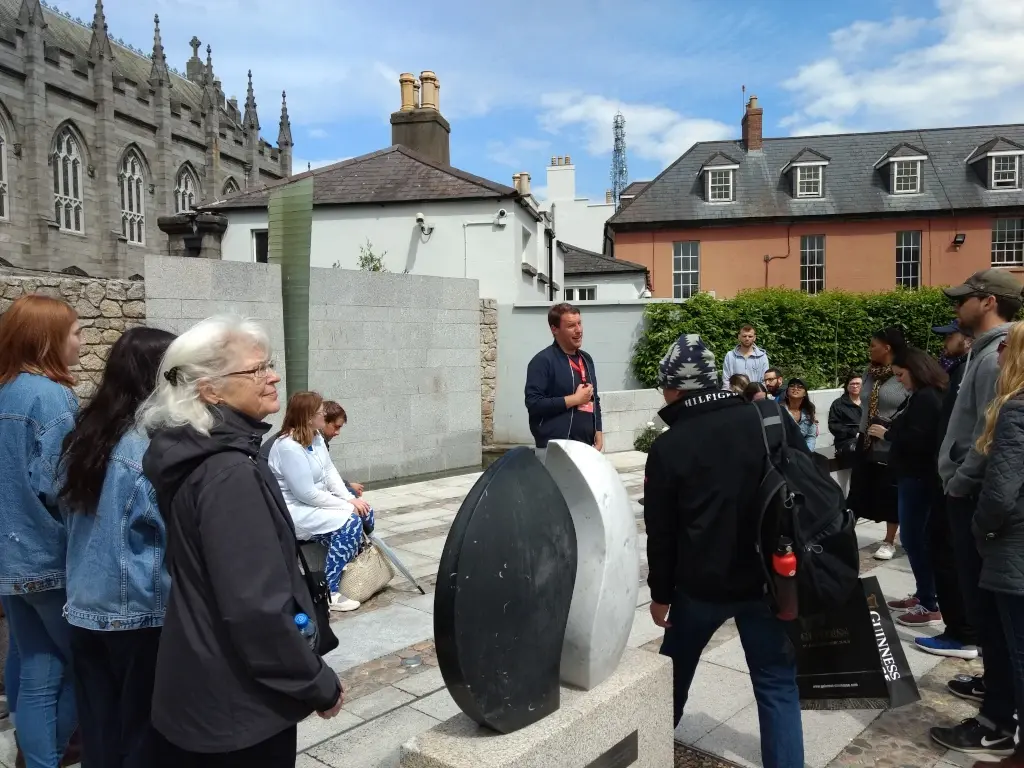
(593, 276)
(577, 220)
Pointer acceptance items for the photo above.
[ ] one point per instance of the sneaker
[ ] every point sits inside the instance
(905, 604)
(342, 604)
(941, 645)
(885, 551)
(919, 616)
(973, 738)
(967, 687)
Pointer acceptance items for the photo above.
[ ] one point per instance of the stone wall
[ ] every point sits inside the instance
(106, 308)
(488, 367)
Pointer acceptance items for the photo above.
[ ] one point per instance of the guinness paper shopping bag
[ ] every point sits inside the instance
(852, 658)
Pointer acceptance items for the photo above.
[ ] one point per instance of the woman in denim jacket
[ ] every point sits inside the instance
(117, 580)
(40, 340)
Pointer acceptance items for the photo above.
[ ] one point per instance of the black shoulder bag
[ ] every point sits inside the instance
(320, 593)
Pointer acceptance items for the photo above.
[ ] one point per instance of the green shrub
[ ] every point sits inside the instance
(645, 437)
(819, 337)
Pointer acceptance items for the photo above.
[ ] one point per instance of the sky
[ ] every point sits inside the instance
(526, 80)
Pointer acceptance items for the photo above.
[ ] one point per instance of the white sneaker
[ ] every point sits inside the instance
(342, 604)
(885, 551)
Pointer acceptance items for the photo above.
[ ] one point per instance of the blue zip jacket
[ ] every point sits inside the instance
(35, 416)
(117, 574)
(549, 379)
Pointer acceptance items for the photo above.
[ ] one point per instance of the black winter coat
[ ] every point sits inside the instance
(700, 499)
(232, 669)
(844, 419)
(999, 517)
(915, 437)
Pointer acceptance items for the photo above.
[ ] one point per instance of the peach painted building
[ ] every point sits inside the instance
(859, 212)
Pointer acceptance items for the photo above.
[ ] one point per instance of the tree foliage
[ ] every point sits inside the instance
(819, 337)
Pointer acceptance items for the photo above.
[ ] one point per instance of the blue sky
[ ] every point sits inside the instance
(525, 80)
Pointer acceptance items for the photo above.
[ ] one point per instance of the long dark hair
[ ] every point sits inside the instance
(806, 406)
(128, 380)
(924, 370)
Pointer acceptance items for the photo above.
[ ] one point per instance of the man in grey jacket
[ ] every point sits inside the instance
(985, 305)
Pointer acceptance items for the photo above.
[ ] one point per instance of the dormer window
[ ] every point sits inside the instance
(997, 163)
(906, 177)
(719, 178)
(808, 181)
(1006, 172)
(807, 173)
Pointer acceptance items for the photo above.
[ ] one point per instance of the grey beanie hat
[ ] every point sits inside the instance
(688, 366)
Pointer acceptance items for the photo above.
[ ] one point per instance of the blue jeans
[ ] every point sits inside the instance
(12, 667)
(770, 657)
(915, 504)
(46, 696)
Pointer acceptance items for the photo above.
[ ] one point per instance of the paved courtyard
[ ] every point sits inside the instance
(394, 688)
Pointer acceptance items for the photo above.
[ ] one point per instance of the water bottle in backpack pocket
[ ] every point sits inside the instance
(307, 628)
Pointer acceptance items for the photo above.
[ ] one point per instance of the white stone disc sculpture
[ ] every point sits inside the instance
(608, 565)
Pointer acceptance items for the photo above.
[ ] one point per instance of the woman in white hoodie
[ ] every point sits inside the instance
(323, 509)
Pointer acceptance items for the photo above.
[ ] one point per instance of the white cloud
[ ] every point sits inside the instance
(318, 133)
(970, 74)
(300, 165)
(653, 132)
(518, 153)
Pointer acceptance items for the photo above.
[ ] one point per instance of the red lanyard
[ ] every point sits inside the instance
(580, 368)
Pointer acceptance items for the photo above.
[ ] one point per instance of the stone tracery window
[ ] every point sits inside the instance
(68, 197)
(4, 188)
(133, 205)
(230, 187)
(185, 189)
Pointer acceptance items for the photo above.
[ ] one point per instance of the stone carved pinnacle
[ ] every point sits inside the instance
(158, 72)
(284, 136)
(31, 14)
(99, 47)
(195, 43)
(251, 120)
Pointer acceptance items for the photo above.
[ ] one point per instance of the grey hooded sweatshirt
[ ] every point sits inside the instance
(961, 467)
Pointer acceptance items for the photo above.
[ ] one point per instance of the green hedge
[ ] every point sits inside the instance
(818, 337)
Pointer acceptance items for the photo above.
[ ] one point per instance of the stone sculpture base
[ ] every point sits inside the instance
(625, 722)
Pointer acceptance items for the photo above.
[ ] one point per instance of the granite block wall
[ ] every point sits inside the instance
(488, 367)
(106, 308)
(402, 354)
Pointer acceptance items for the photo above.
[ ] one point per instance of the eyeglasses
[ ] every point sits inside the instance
(258, 373)
(964, 299)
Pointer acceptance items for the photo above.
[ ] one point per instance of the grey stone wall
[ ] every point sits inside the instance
(488, 367)
(401, 353)
(106, 308)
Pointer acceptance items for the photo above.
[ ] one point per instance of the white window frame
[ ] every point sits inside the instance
(812, 263)
(908, 254)
(5, 189)
(805, 177)
(1005, 178)
(725, 180)
(131, 180)
(68, 187)
(252, 234)
(685, 269)
(901, 171)
(1008, 242)
(572, 293)
(186, 189)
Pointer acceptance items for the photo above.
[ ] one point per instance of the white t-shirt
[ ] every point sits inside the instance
(315, 494)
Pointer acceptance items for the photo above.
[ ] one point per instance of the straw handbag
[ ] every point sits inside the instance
(367, 574)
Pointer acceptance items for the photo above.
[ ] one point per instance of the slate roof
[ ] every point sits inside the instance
(634, 188)
(998, 144)
(582, 262)
(853, 188)
(393, 175)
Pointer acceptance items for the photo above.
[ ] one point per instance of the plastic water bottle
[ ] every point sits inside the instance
(784, 579)
(306, 627)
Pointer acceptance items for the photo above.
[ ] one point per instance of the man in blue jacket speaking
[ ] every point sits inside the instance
(561, 385)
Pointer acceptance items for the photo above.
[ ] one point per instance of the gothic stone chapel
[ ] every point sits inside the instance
(98, 140)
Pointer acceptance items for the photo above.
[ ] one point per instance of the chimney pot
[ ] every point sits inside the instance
(568, 161)
(515, 180)
(561, 160)
(428, 94)
(524, 184)
(416, 94)
(406, 83)
(752, 125)
(554, 161)
(608, 197)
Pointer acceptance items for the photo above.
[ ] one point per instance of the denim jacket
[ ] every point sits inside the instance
(35, 416)
(117, 577)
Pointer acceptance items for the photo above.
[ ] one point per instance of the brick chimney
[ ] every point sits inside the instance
(752, 125)
(418, 123)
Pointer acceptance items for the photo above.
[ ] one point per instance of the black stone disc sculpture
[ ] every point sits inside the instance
(504, 586)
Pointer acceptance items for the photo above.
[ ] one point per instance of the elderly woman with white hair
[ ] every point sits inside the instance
(234, 673)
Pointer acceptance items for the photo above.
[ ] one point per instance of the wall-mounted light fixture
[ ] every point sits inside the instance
(959, 239)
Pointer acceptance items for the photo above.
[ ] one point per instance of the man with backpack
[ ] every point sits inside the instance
(703, 508)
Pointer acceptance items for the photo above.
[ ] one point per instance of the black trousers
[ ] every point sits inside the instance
(276, 752)
(947, 579)
(114, 674)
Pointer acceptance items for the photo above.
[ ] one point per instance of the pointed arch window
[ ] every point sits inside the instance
(185, 190)
(68, 197)
(231, 187)
(131, 180)
(5, 191)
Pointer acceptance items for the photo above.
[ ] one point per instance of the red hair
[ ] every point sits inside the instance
(33, 334)
(298, 418)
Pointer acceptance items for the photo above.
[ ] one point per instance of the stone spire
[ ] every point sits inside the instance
(31, 13)
(284, 136)
(158, 73)
(250, 121)
(99, 48)
(209, 66)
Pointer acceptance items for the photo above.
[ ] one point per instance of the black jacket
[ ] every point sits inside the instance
(700, 499)
(915, 437)
(549, 379)
(998, 523)
(232, 669)
(844, 419)
(956, 375)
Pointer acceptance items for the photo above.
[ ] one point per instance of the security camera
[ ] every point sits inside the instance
(502, 213)
(420, 218)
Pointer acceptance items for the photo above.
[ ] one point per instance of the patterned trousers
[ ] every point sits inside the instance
(342, 545)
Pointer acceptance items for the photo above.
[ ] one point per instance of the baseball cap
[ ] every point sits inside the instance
(949, 329)
(987, 282)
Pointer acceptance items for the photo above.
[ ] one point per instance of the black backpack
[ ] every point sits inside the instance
(799, 499)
